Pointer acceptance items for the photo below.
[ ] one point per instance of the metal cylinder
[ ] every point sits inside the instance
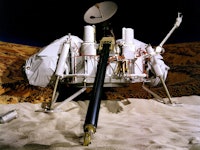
(88, 49)
(62, 59)
(89, 34)
(94, 105)
(8, 116)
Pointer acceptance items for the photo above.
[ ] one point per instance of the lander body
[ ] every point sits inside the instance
(109, 63)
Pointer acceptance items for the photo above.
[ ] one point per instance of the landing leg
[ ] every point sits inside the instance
(166, 90)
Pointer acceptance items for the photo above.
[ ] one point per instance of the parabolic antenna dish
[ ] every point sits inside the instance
(100, 12)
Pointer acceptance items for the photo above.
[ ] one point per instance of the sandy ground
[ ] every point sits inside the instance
(143, 124)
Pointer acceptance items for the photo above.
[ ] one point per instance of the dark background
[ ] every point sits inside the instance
(39, 22)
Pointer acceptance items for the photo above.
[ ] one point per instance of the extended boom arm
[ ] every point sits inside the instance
(176, 25)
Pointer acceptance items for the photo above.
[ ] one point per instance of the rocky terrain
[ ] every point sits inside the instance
(183, 77)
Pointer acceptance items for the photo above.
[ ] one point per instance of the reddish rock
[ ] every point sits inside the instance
(183, 77)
